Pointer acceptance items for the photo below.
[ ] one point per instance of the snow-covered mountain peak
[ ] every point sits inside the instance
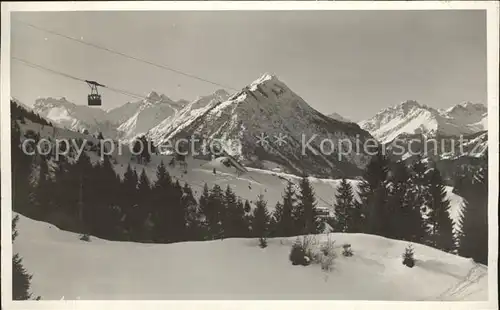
(221, 93)
(50, 102)
(265, 77)
(338, 117)
(411, 104)
(75, 117)
(265, 107)
(411, 117)
(468, 107)
(266, 80)
(153, 96)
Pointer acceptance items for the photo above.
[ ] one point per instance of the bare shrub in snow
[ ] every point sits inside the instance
(408, 259)
(85, 237)
(298, 254)
(308, 244)
(262, 242)
(327, 261)
(327, 247)
(347, 252)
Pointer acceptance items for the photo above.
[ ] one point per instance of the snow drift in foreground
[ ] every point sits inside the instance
(65, 267)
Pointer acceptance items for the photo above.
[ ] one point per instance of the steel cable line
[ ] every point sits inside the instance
(126, 55)
(33, 65)
(42, 68)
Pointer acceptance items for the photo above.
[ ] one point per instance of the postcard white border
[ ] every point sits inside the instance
(492, 8)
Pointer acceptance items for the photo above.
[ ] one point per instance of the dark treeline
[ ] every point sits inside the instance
(393, 200)
(411, 204)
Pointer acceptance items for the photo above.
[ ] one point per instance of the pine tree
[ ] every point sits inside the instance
(420, 182)
(21, 170)
(406, 222)
(129, 188)
(21, 280)
(344, 205)
(146, 151)
(42, 198)
(144, 189)
(179, 214)
(358, 219)
(474, 218)
(105, 218)
(194, 227)
(261, 218)
(213, 212)
(234, 215)
(408, 259)
(374, 195)
(160, 205)
(439, 222)
(284, 213)
(307, 218)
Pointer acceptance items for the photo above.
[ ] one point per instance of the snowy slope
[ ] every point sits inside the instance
(64, 267)
(267, 108)
(410, 117)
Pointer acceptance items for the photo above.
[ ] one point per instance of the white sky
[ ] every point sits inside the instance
(350, 62)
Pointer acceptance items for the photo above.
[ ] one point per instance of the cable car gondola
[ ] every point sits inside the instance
(94, 99)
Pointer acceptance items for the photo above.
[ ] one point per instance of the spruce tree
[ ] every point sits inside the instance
(358, 219)
(307, 218)
(420, 182)
(160, 207)
(194, 228)
(42, 198)
(179, 213)
(129, 188)
(344, 205)
(373, 193)
(213, 212)
(439, 222)
(105, 219)
(234, 216)
(275, 219)
(474, 219)
(406, 220)
(21, 280)
(284, 212)
(144, 190)
(21, 171)
(204, 209)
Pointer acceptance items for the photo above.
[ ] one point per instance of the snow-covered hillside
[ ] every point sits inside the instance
(268, 121)
(238, 269)
(410, 117)
(247, 185)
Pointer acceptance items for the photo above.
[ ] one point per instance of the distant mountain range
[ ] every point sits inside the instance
(268, 110)
(410, 117)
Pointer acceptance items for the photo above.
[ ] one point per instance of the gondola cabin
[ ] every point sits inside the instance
(94, 99)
